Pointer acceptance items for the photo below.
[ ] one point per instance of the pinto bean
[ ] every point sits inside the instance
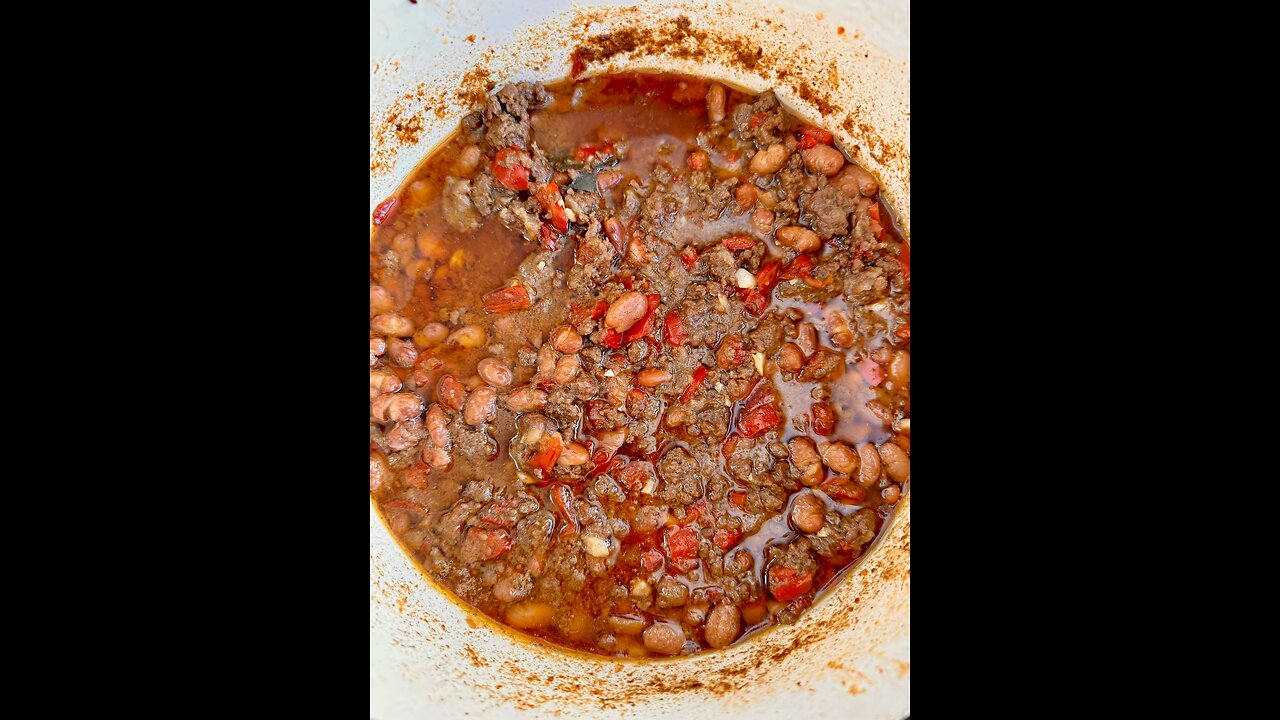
(467, 162)
(380, 301)
(745, 195)
(450, 392)
(896, 462)
(468, 336)
(762, 220)
(664, 637)
(526, 399)
(838, 328)
(806, 338)
(807, 513)
(900, 368)
(891, 494)
(652, 377)
(437, 426)
(613, 231)
(723, 625)
(853, 181)
(566, 340)
(528, 615)
(391, 324)
(377, 346)
(481, 406)
(790, 357)
(383, 381)
(799, 238)
(869, 473)
(494, 372)
(636, 253)
(769, 160)
(574, 454)
(401, 353)
(567, 368)
(626, 624)
(823, 160)
(805, 458)
(840, 457)
(731, 352)
(626, 311)
(436, 457)
(715, 103)
(398, 407)
(431, 334)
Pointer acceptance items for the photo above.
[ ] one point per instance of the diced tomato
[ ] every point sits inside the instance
(903, 331)
(738, 498)
(650, 560)
(739, 242)
(547, 235)
(874, 212)
(508, 170)
(760, 394)
(757, 119)
(417, 475)
(802, 266)
(642, 328)
(507, 300)
(549, 448)
(698, 376)
(812, 137)
(682, 543)
(629, 282)
(635, 475)
(786, 584)
(403, 505)
(730, 444)
(689, 256)
(841, 489)
(698, 160)
(613, 338)
(694, 511)
(548, 196)
(675, 333)
(904, 259)
(871, 371)
(386, 211)
(562, 496)
(599, 311)
(491, 542)
(767, 276)
(605, 464)
(759, 421)
(754, 301)
(725, 539)
(590, 150)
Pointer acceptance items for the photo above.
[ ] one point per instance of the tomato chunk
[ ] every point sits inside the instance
(682, 543)
(548, 196)
(786, 584)
(755, 302)
(812, 137)
(507, 300)
(689, 256)
(725, 539)
(675, 333)
(871, 371)
(759, 421)
(508, 169)
(590, 150)
(698, 376)
(738, 498)
(489, 543)
(549, 448)
(613, 338)
(651, 560)
(562, 496)
(802, 266)
(739, 242)
(386, 211)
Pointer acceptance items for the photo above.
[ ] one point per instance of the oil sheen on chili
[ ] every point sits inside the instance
(639, 363)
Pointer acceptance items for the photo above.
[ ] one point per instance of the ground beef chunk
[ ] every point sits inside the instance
(681, 477)
(845, 534)
(770, 334)
(450, 526)
(794, 180)
(721, 265)
(533, 532)
(865, 287)
(760, 121)
(507, 115)
(593, 261)
(473, 127)
(522, 218)
(827, 212)
(458, 208)
(470, 443)
(563, 406)
(486, 195)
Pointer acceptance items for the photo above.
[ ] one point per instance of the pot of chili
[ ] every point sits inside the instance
(847, 653)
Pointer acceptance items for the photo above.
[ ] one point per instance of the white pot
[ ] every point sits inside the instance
(849, 655)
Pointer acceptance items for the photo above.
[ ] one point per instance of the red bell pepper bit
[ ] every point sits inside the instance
(590, 150)
(767, 276)
(491, 542)
(548, 196)
(759, 421)
(802, 266)
(739, 242)
(682, 543)
(651, 560)
(841, 489)
(689, 256)
(613, 338)
(694, 511)
(507, 300)
(508, 169)
(547, 235)
(786, 584)
(904, 259)
(675, 333)
(698, 376)
(754, 301)
(738, 498)
(757, 119)
(386, 211)
(549, 448)
(725, 539)
(812, 137)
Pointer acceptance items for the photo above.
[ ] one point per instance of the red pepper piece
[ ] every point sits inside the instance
(682, 543)
(642, 328)
(675, 332)
(698, 376)
(507, 300)
(759, 421)
(509, 171)
(386, 211)
(548, 196)
(689, 256)
(802, 266)
(786, 584)
(812, 137)
(739, 242)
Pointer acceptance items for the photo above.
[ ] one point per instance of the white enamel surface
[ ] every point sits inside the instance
(431, 657)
